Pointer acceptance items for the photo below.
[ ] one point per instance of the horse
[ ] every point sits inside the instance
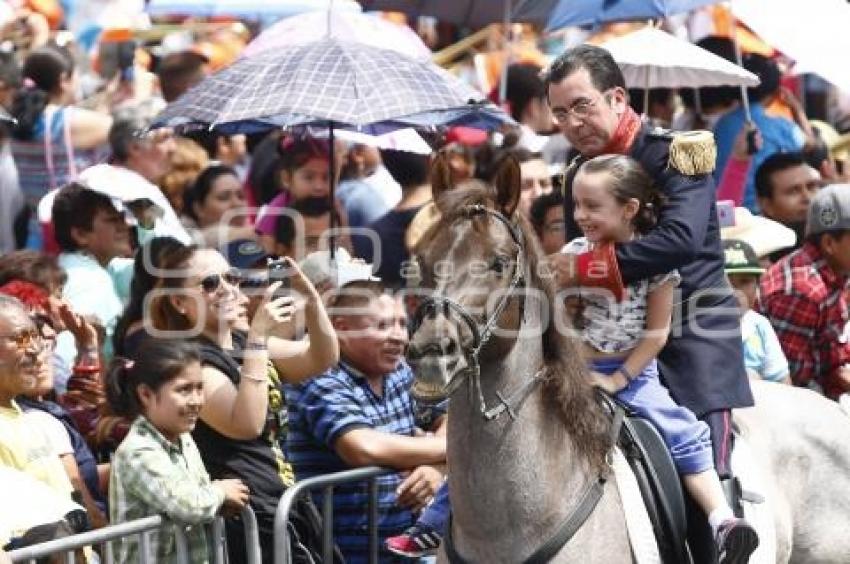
(528, 443)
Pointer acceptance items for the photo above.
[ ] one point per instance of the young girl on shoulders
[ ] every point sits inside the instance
(616, 201)
(157, 468)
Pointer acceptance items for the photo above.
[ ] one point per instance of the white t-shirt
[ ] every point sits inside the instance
(610, 326)
(55, 431)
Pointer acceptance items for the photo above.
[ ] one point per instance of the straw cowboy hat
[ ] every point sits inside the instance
(764, 235)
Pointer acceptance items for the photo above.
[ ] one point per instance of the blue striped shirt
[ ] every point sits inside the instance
(327, 407)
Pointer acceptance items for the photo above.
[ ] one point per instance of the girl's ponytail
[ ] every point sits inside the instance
(121, 398)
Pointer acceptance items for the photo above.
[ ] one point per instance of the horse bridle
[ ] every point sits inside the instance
(594, 489)
(480, 336)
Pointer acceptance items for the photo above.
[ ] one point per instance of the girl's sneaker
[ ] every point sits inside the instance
(415, 542)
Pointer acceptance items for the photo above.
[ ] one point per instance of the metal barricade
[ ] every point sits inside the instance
(142, 528)
(282, 554)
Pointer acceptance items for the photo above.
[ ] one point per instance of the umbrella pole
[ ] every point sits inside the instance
(503, 79)
(332, 185)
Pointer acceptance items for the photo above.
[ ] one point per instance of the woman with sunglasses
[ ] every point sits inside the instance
(244, 409)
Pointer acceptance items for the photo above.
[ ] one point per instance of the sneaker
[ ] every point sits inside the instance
(736, 541)
(415, 542)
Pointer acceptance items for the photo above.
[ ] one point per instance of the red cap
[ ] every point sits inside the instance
(466, 136)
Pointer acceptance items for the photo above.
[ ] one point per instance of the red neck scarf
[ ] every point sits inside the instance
(625, 133)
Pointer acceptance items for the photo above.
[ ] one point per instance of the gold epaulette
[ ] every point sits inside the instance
(693, 152)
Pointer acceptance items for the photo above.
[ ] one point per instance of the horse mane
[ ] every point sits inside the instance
(566, 386)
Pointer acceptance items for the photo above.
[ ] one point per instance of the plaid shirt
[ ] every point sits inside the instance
(327, 407)
(151, 475)
(806, 302)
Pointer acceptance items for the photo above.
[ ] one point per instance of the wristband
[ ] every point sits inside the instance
(255, 378)
(625, 372)
(86, 369)
(256, 346)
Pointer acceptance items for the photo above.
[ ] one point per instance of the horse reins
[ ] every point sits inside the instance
(480, 336)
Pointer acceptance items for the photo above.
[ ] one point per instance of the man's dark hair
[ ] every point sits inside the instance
(769, 76)
(776, 162)
(178, 72)
(76, 206)
(408, 169)
(541, 206)
(353, 296)
(604, 71)
(308, 207)
(656, 96)
(523, 86)
(712, 97)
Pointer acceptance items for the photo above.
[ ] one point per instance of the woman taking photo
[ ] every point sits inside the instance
(244, 411)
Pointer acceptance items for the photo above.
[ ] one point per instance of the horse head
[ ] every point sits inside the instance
(472, 269)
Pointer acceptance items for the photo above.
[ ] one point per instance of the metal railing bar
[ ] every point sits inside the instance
(86, 539)
(282, 553)
(373, 521)
(328, 518)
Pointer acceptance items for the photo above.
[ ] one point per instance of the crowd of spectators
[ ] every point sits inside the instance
(138, 290)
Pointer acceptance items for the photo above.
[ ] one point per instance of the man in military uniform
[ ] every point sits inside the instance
(702, 363)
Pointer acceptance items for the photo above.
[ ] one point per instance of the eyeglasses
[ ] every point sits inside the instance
(212, 282)
(581, 110)
(26, 339)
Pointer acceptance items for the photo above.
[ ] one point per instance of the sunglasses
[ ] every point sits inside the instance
(212, 282)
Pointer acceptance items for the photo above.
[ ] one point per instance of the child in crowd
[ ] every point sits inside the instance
(616, 201)
(763, 354)
(303, 165)
(157, 469)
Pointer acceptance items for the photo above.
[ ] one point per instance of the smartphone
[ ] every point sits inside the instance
(726, 213)
(279, 272)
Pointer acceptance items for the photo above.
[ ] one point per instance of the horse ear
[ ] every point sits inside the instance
(441, 179)
(508, 183)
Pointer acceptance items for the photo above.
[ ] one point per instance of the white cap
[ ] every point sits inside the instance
(318, 267)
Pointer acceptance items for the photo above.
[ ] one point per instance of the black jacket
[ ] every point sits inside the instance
(702, 363)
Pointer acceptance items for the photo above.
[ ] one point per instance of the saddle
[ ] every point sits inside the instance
(658, 482)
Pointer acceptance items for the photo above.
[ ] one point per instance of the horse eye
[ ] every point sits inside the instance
(499, 264)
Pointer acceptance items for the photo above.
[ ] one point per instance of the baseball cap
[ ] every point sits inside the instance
(244, 253)
(740, 258)
(829, 210)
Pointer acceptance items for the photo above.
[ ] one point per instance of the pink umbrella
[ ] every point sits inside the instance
(349, 26)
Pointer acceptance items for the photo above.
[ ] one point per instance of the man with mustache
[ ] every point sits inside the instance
(24, 443)
(360, 413)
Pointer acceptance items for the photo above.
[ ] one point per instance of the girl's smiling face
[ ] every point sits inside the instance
(310, 180)
(598, 213)
(175, 406)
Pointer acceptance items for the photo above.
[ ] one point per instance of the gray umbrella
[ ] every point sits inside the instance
(331, 83)
(328, 82)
